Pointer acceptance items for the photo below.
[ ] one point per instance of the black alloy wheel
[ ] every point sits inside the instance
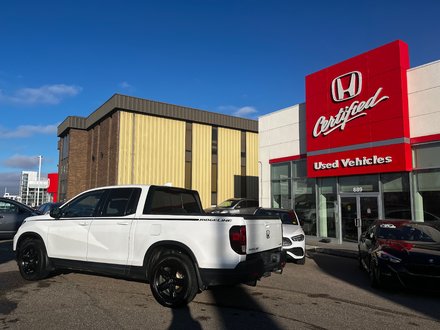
(375, 275)
(360, 263)
(32, 260)
(173, 280)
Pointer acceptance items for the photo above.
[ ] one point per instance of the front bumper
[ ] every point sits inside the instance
(407, 277)
(255, 267)
(295, 252)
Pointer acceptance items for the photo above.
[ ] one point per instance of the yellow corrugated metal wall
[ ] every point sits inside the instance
(251, 154)
(201, 162)
(229, 162)
(158, 148)
(125, 148)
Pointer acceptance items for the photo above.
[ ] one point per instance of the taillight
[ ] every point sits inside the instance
(237, 238)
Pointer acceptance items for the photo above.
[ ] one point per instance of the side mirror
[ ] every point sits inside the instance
(55, 213)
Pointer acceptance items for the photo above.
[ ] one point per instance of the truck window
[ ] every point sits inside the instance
(172, 201)
(120, 202)
(84, 205)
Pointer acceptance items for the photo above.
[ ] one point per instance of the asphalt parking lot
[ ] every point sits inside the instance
(328, 292)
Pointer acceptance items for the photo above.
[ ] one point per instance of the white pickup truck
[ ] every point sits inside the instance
(156, 233)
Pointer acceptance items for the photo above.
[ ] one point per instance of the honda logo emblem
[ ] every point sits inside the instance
(346, 86)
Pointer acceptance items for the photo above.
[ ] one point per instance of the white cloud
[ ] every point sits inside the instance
(245, 111)
(125, 85)
(47, 94)
(21, 161)
(24, 131)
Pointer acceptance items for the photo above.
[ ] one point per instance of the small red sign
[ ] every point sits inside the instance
(357, 115)
(53, 185)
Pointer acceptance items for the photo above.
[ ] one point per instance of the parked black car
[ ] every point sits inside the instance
(402, 253)
(47, 207)
(12, 214)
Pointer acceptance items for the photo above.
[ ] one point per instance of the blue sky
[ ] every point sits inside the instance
(242, 57)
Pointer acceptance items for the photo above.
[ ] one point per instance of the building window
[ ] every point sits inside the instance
(304, 196)
(291, 189)
(359, 183)
(426, 182)
(427, 195)
(281, 186)
(188, 156)
(327, 207)
(396, 195)
(65, 147)
(214, 163)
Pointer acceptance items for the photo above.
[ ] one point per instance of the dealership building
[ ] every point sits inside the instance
(366, 144)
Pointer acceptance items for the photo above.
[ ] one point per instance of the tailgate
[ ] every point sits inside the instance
(263, 233)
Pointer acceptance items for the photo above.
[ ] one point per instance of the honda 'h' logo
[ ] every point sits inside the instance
(346, 86)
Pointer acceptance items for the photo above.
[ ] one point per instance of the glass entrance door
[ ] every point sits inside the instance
(357, 213)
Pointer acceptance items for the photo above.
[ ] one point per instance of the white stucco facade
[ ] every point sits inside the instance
(424, 99)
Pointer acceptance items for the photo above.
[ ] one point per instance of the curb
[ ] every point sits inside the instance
(334, 252)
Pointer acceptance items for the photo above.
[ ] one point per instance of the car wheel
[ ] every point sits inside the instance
(375, 275)
(301, 261)
(173, 279)
(32, 260)
(360, 264)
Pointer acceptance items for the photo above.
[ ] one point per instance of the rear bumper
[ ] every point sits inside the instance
(253, 268)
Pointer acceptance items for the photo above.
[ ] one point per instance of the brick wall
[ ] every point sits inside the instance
(77, 160)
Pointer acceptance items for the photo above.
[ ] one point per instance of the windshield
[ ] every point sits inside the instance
(228, 203)
(287, 217)
(409, 232)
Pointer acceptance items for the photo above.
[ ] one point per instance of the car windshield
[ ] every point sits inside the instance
(228, 203)
(409, 232)
(287, 218)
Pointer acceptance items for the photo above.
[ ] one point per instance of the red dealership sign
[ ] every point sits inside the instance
(357, 115)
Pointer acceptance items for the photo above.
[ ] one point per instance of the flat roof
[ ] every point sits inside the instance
(120, 102)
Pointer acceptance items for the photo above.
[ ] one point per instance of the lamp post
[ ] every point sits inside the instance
(38, 182)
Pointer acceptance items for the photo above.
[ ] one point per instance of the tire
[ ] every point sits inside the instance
(301, 261)
(375, 275)
(32, 260)
(360, 264)
(173, 280)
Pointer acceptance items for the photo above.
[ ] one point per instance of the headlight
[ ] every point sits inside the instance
(388, 257)
(298, 238)
(286, 241)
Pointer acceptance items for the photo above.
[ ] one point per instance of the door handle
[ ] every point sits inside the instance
(357, 222)
(122, 223)
(83, 223)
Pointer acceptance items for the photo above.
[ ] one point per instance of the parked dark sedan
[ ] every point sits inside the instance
(47, 207)
(402, 252)
(12, 214)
